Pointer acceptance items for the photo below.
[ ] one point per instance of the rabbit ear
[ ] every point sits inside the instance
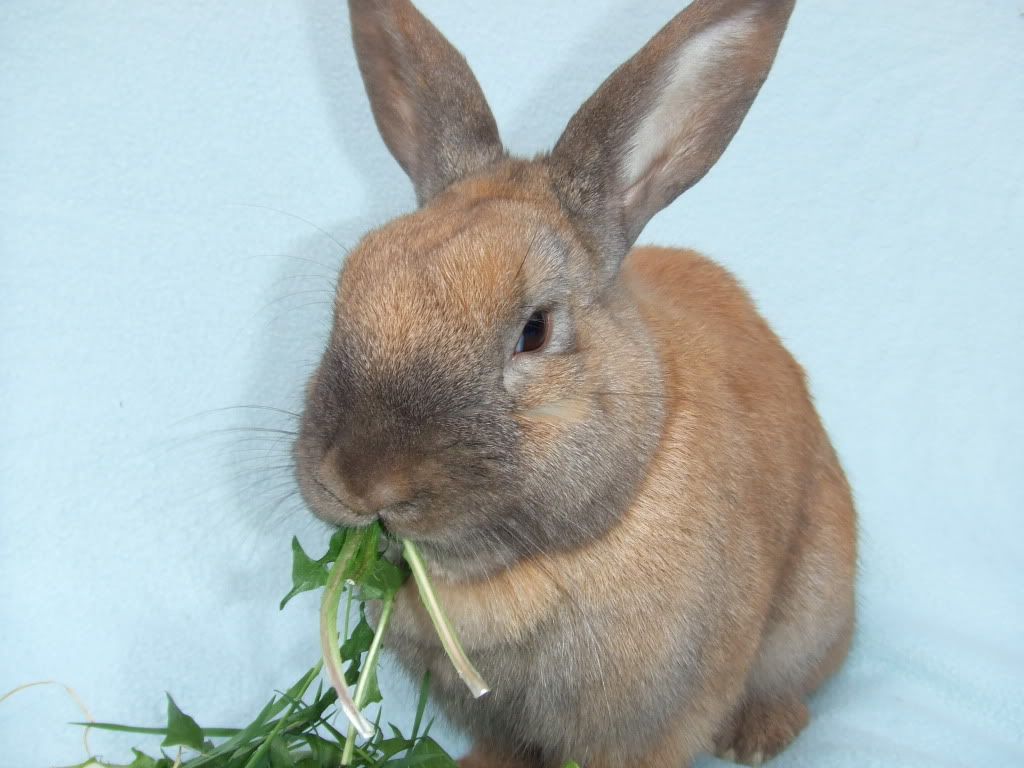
(427, 104)
(663, 118)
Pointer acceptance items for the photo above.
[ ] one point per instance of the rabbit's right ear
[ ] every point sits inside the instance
(663, 118)
(427, 104)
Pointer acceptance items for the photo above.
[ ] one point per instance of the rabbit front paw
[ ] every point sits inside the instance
(760, 729)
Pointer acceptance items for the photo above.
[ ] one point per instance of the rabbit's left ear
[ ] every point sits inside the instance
(663, 118)
(427, 104)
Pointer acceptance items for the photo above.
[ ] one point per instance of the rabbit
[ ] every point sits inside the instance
(628, 504)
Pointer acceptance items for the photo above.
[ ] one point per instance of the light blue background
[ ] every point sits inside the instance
(155, 160)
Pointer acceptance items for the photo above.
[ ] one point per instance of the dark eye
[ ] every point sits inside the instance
(535, 333)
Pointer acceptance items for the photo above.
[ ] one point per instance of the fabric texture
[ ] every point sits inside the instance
(178, 183)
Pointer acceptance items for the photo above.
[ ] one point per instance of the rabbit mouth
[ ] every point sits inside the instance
(400, 519)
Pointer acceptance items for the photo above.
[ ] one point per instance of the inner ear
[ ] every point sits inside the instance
(663, 118)
(661, 160)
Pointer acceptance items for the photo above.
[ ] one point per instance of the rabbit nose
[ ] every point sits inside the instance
(384, 493)
(364, 484)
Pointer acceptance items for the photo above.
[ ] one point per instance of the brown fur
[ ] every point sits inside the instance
(641, 532)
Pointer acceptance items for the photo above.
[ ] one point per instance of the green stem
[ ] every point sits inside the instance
(329, 634)
(421, 705)
(155, 731)
(265, 746)
(445, 631)
(369, 668)
(348, 614)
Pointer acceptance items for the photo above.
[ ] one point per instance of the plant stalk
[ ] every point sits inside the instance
(445, 632)
(368, 670)
(329, 635)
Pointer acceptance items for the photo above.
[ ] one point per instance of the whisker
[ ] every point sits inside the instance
(292, 494)
(332, 269)
(331, 285)
(288, 483)
(269, 473)
(227, 408)
(246, 454)
(278, 299)
(297, 308)
(295, 216)
(259, 430)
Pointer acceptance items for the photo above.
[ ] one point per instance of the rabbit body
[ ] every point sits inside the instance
(630, 509)
(722, 598)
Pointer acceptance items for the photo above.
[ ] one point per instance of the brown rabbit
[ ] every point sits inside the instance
(630, 507)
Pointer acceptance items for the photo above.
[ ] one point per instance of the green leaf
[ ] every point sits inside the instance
(182, 730)
(327, 753)
(421, 705)
(426, 754)
(383, 581)
(334, 548)
(280, 757)
(368, 554)
(358, 642)
(388, 748)
(352, 673)
(307, 573)
(339, 737)
(306, 716)
(141, 760)
(261, 757)
(237, 759)
(151, 731)
(240, 741)
(244, 742)
(373, 694)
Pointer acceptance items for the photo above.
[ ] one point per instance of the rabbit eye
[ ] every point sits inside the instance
(535, 333)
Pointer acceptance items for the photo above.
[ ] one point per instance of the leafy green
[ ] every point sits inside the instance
(307, 573)
(182, 730)
(422, 705)
(141, 761)
(427, 753)
(356, 644)
(383, 580)
(295, 729)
